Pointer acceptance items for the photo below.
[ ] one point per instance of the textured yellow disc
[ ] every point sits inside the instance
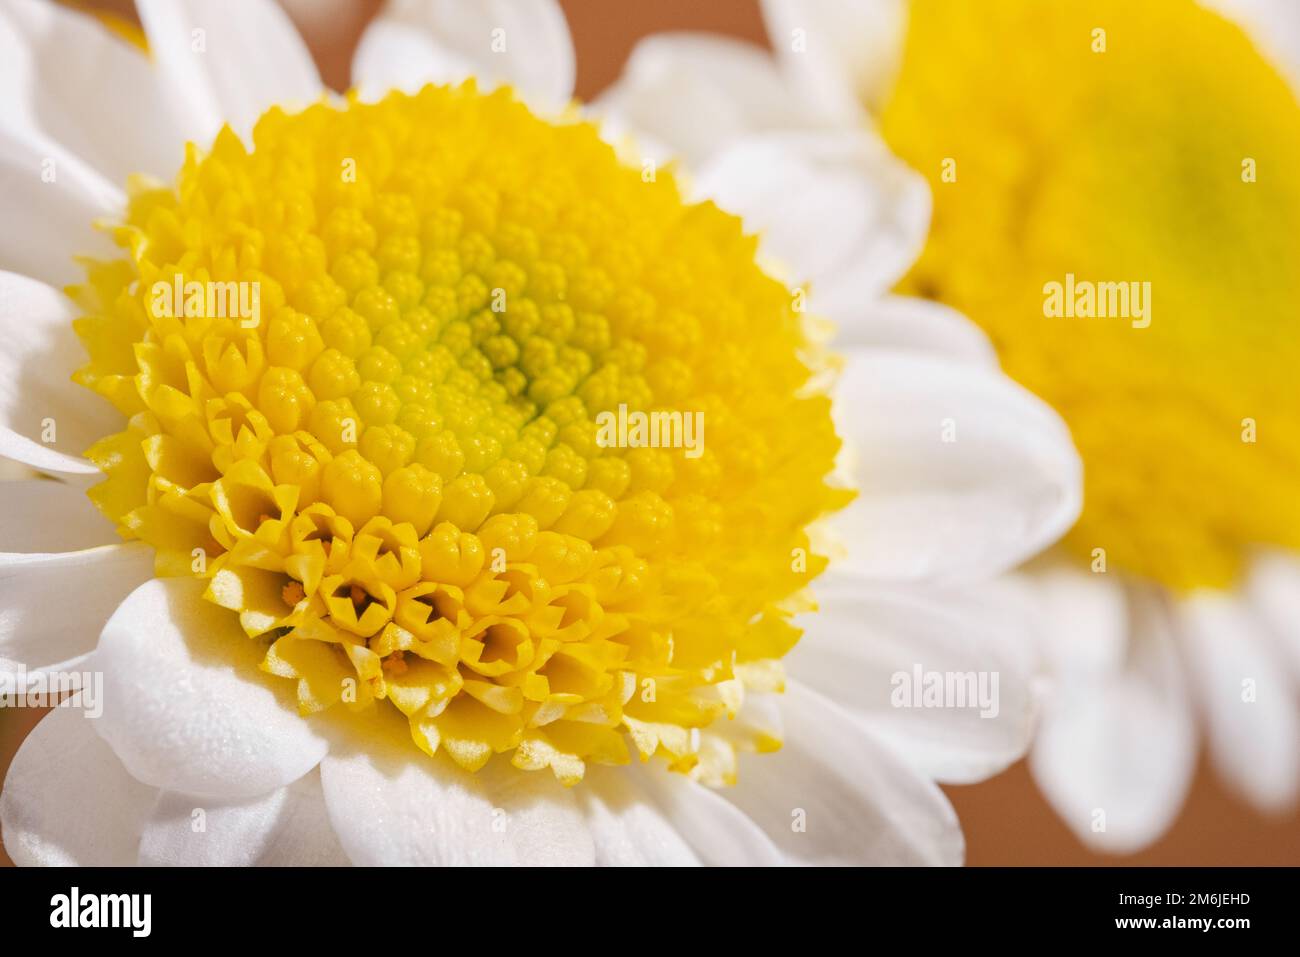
(394, 474)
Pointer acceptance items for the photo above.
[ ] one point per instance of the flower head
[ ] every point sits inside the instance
(387, 460)
(1106, 158)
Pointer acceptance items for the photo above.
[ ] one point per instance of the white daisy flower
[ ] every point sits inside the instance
(387, 597)
(1145, 146)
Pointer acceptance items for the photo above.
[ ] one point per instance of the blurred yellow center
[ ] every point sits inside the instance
(365, 366)
(1098, 145)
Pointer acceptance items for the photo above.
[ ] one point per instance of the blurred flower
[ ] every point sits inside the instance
(233, 458)
(1080, 154)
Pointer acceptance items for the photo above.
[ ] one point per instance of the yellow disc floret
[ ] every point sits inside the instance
(1116, 203)
(370, 369)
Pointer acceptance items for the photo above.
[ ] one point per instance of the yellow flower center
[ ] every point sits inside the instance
(366, 367)
(1122, 143)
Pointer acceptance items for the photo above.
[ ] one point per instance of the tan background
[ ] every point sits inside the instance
(1005, 820)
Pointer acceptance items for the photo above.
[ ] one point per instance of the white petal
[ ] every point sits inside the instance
(287, 828)
(1273, 589)
(1254, 727)
(228, 62)
(40, 515)
(51, 201)
(627, 827)
(961, 472)
(304, 836)
(185, 706)
(394, 805)
(1116, 749)
(67, 800)
(756, 725)
(719, 833)
(1274, 25)
(844, 54)
(44, 515)
(695, 93)
(837, 795)
(523, 43)
(394, 55)
(52, 606)
(865, 646)
(69, 77)
(38, 398)
(909, 323)
(19, 448)
(1089, 617)
(834, 209)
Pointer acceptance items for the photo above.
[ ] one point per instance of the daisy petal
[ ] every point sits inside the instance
(38, 515)
(835, 794)
(523, 43)
(842, 53)
(1089, 615)
(720, 834)
(1274, 25)
(961, 472)
(67, 800)
(757, 726)
(185, 706)
(228, 62)
(696, 92)
(428, 811)
(1116, 748)
(835, 209)
(1273, 589)
(287, 828)
(38, 398)
(863, 650)
(53, 605)
(81, 85)
(1254, 726)
(627, 829)
(394, 55)
(909, 323)
(19, 448)
(51, 200)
